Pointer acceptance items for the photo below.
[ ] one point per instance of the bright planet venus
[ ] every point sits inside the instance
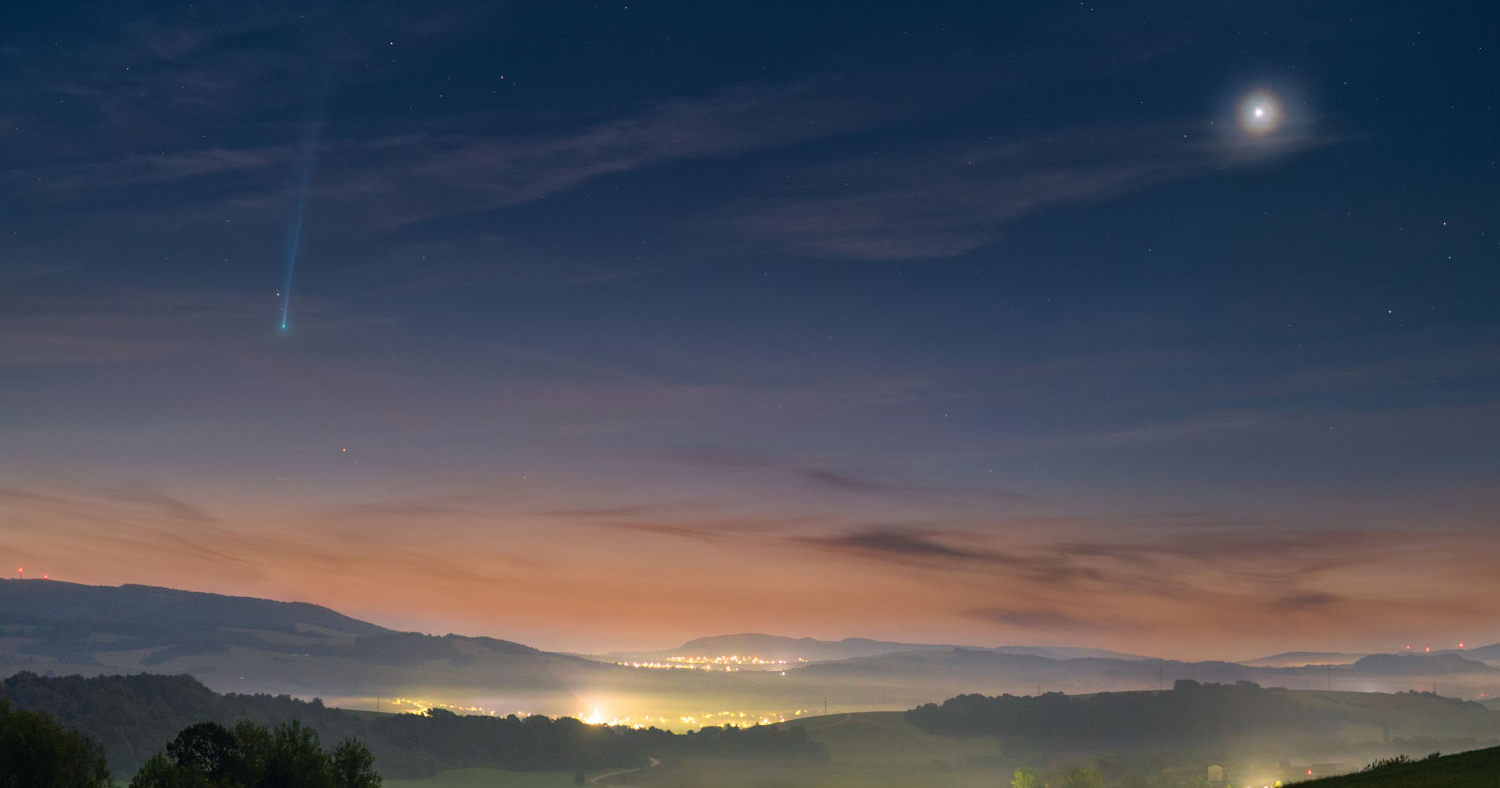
(1260, 112)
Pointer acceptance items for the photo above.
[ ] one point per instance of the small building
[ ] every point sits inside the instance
(1216, 774)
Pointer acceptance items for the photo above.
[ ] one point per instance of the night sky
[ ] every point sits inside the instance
(614, 325)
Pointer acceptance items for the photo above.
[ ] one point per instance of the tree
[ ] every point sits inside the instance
(207, 755)
(1082, 777)
(1025, 778)
(294, 759)
(163, 772)
(207, 748)
(352, 766)
(36, 751)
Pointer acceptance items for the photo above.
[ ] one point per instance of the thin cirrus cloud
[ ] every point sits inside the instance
(827, 480)
(945, 200)
(1235, 580)
(1042, 619)
(399, 177)
(929, 200)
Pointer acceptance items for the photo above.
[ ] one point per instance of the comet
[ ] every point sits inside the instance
(294, 223)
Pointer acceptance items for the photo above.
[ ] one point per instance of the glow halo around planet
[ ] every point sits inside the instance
(1260, 113)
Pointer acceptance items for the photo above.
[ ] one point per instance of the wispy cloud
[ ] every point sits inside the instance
(464, 166)
(143, 494)
(1100, 583)
(945, 200)
(844, 482)
(1043, 619)
(901, 545)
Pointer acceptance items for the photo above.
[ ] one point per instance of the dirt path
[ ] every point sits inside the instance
(599, 780)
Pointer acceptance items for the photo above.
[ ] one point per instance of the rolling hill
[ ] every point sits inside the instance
(1473, 769)
(959, 671)
(131, 717)
(242, 645)
(238, 644)
(963, 742)
(1301, 659)
(793, 650)
(1488, 654)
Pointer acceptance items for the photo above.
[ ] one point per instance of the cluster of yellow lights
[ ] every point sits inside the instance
(732, 719)
(736, 719)
(740, 719)
(729, 663)
(674, 666)
(422, 707)
(596, 718)
(730, 659)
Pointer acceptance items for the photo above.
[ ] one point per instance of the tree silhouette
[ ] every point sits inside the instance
(1082, 777)
(36, 751)
(207, 755)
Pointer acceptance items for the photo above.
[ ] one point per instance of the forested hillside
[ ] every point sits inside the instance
(132, 717)
(1195, 715)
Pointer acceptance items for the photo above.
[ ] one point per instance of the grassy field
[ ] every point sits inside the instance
(1475, 769)
(878, 766)
(886, 739)
(700, 772)
(866, 750)
(488, 778)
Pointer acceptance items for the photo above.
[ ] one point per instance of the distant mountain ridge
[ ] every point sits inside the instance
(1490, 653)
(1299, 659)
(25, 602)
(247, 645)
(776, 647)
(1420, 664)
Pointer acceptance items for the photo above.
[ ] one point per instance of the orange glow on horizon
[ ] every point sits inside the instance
(668, 579)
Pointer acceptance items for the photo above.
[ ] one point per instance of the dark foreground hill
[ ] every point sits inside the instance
(1207, 717)
(132, 717)
(1476, 769)
(966, 737)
